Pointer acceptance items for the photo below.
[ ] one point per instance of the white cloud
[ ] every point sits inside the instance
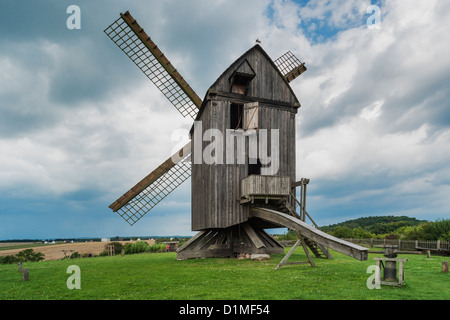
(373, 111)
(343, 14)
(76, 114)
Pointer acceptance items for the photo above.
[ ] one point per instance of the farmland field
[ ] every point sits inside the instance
(159, 276)
(55, 251)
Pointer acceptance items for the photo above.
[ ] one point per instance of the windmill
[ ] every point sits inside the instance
(239, 193)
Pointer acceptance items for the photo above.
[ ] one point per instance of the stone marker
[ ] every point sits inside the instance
(26, 274)
(259, 257)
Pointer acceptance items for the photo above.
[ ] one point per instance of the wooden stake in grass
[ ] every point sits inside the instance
(445, 266)
(26, 274)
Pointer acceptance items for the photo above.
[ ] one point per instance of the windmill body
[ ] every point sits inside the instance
(253, 107)
(241, 156)
(270, 103)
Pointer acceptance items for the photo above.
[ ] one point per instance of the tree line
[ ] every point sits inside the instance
(386, 227)
(391, 227)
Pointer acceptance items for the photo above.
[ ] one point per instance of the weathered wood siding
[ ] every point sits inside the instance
(216, 187)
(268, 82)
(265, 185)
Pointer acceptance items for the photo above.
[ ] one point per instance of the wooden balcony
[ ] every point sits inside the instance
(264, 187)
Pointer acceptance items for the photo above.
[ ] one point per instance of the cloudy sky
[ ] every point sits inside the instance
(80, 124)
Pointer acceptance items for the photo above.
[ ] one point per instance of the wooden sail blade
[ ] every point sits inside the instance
(290, 66)
(128, 35)
(146, 194)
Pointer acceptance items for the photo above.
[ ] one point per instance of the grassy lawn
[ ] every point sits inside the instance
(159, 276)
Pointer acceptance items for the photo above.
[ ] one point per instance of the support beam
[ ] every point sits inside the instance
(246, 238)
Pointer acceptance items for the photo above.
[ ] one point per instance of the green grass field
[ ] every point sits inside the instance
(159, 276)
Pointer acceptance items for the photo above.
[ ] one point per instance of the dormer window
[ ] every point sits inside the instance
(240, 84)
(241, 78)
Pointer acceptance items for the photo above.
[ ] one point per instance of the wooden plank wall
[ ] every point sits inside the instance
(265, 185)
(216, 187)
(268, 82)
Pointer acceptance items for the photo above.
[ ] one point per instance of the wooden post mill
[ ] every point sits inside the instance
(241, 157)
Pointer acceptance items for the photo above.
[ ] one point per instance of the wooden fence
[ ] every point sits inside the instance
(404, 244)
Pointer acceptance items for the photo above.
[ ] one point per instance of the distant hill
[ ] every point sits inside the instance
(376, 225)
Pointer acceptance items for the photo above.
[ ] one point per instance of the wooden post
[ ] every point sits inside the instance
(428, 254)
(445, 266)
(19, 267)
(301, 202)
(304, 202)
(378, 272)
(26, 274)
(400, 273)
(286, 257)
(305, 248)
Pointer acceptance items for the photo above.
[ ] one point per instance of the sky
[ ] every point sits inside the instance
(80, 124)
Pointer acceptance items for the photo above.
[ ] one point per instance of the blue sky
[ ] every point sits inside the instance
(80, 124)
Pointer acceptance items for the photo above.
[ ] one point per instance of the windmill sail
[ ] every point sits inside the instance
(290, 66)
(140, 199)
(128, 35)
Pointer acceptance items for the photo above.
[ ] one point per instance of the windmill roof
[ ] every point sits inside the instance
(240, 65)
(239, 61)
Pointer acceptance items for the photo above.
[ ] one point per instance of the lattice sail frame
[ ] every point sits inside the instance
(127, 34)
(156, 67)
(141, 204)
(290, 66)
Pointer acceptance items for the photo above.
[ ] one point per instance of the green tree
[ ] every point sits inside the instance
(29, 255)
(360, 233)
(289, 235)
(8, 259)
(137, 247)
(438, 230)
(117, 247)
(342, 232)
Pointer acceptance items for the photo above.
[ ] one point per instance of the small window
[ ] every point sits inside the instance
(241, 78)
(236, 116)
(254, 166)
(240, 84)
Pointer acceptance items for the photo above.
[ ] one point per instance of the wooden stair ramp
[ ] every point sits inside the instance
(307, 231)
